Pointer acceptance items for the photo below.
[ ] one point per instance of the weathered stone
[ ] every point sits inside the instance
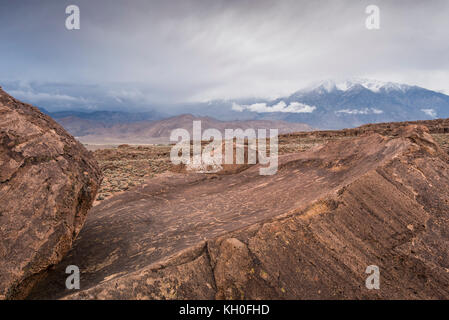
(48, 182)
(308, 232)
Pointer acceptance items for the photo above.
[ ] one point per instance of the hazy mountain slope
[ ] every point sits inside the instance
(143, 132)
(107, 117)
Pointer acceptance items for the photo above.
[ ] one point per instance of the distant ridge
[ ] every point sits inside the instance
(144, 132)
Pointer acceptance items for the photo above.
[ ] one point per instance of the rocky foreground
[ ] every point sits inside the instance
(308, 232)
(48, 182)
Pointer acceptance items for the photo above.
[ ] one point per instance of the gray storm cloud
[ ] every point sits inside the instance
(177, 51)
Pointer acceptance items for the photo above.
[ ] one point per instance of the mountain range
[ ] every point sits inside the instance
(334, 104)
(328, 104)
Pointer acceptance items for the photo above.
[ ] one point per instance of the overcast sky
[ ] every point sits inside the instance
(176, 51)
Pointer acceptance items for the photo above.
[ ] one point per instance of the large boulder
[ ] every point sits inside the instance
(48, 182)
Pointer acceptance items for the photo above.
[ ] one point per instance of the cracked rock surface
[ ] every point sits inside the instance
(48, 182)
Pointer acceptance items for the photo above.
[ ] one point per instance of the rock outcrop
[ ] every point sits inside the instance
(384, 128)
(48, 182)
(308, 232)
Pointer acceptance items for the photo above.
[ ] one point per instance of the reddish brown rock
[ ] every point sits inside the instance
(307, 232)
(48, 182)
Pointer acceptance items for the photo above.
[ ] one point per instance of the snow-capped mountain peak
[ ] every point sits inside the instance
(349, 84)
(340, 104)
(352, 102)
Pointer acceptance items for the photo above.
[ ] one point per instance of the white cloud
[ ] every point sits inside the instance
(430, 112)
(361, 111)
(281, 106)
(237, 107)
(298, 107)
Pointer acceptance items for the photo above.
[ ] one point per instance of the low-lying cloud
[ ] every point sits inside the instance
(430, 112)
(281, 106)
(361, 111)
